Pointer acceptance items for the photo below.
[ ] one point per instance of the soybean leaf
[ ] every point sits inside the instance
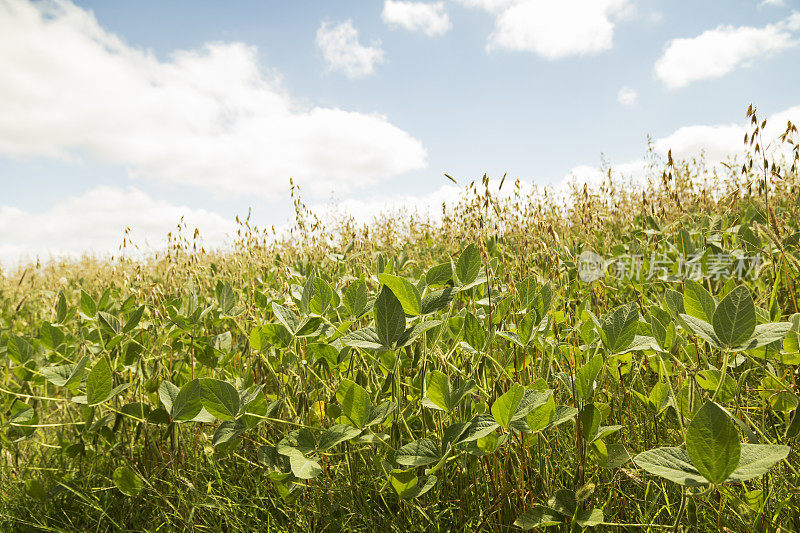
(618, 328)
(390, 319)
(126, 481)
(757, 459)
(187, 403)
(220, 398)
(354, 401)
(406, 293)
(505, 407)
(355, 298)
(735, 317)
(418, 453)
(99, 383)
(538, 517)
(303, 467)
(337, 434)
(712, 443)
(468, 265)
(672, 464)
(698, 302)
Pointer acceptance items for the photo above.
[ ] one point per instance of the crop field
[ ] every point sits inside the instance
(624, 358)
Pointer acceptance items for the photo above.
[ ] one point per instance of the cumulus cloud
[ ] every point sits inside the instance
(95, 222)
(627, 96)
(553, 30)
(209, 117)
(715, 53)
(343, 52)
(431, 19)
(773, 3)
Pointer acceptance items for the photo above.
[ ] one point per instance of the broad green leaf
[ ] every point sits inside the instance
(589, 517)
(412, 333)
(436, 300)
(418, 453)
(764, 334)
(474, 333)
(619, 327)
(126, 481)
(167, 392)
(505, 407)
(99, 383)
(303, 467)
(702, 329)
(336, 435)
(226, 298)
(735, 317)
(406, 293)
(698, 302)
(587, 374)
(672, 464)
(539, 516)
(354, 401)
(480, 426)
(186, 405)
(286, 317)
(390, 319)
(438, 391)
(712, 443)
(468, 265)
(219, 398)
(365, 338)
(439, 274)
(757, 459)
(355, 298)
(227, 431)
(88, 305)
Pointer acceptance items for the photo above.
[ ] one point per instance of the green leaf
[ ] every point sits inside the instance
(764, 334)
(317, 296)
(735, 318)
(435, 300)
(226, 298)
(698, 302)
(702, 329)
(88, 305)
(587, 374)
(355, 298)
(187, 404)
(590, 418)
(468, 265)
(439, 274)
(227, 431)
(286, 317)
(757, 459)
(99, 383)
(336, 435)
(303, 467)
(126, 481)
(619, 327)
(406, 293)
(672, 464)
(589, 517)
(354, 401)
(418, 453)
(538, 517)
(505, 407)
(474, 333)
(363, 338)
(712, 443)
(390, 319)
(219, 398)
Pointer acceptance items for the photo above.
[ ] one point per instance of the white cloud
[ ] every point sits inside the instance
(716, 143)
(773, 3)
(342, 50)
(715, 53)
(553, 30)
(95, 222)
(209, 117)
(431, 19)
(627, 96)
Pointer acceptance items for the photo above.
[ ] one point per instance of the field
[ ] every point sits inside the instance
(623, 358)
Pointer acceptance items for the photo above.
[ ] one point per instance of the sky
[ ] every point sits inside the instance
(132, 114)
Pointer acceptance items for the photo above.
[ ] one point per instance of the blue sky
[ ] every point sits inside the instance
(117, 114)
